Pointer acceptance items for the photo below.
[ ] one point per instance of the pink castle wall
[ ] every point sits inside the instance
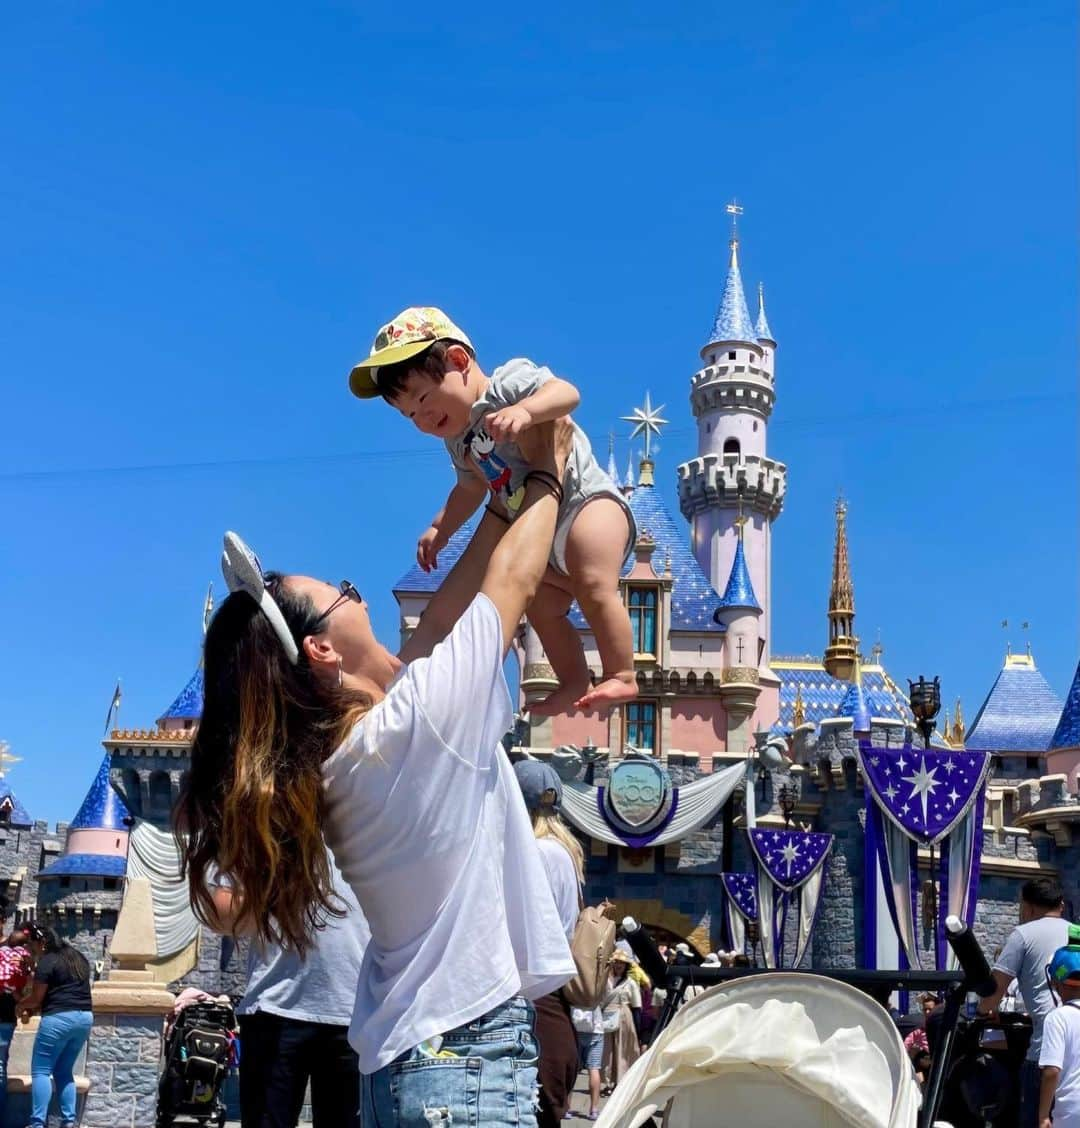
(108, 842)
(698, 725)
(1065, 762)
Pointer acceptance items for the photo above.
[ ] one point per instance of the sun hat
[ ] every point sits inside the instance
(412, 331)
(540, 785)
(1065, 964)
(619, 956)
(711, 960)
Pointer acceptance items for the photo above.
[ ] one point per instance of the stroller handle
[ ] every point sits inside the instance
(977, 974)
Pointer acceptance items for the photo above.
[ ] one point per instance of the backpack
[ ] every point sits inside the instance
(591, 947)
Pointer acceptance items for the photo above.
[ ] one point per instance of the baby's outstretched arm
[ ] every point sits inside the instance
(460, 506)
(552, 400)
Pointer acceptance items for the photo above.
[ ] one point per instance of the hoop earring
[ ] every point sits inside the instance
(339, 673)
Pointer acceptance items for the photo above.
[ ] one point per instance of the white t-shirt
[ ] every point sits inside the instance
(562, 876)
(1061, 1047)
(428, 827)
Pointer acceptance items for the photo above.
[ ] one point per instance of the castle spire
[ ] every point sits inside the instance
(764, 333)
(841, 655)
(732, 322)
(612, 469)
(739, 591)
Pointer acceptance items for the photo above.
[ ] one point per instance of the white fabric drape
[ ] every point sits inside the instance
(898, 854)
(153, 854)
(962, 844)
(698, 802)
(809, 895)
(736, 926)
(766, 915)
(750, 801)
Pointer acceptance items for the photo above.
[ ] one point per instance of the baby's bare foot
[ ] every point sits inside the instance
(610, 692)
(560, 700)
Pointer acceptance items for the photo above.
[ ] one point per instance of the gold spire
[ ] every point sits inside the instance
(798, 714)
(841, 655)
(958, 729)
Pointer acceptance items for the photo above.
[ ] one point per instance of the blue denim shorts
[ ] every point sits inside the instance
(591, 1049)
(491, 1082)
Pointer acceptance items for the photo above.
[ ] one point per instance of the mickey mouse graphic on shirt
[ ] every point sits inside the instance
(482, 448)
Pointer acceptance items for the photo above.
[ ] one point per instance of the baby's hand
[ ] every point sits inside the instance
(428, 548)
(505, 425)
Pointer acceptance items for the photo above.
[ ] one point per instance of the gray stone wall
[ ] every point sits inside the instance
(122, 1065)
(222, 966)
(24, 852)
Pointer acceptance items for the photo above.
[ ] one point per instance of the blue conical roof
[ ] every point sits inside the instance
(764, 333)
(1020, 712)
(854, 706)
(612, 469)
(189, 702)
(1067, 733)
(102, 809)
(739, 591)
(733, 318)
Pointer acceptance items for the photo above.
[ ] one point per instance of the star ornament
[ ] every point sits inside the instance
(647, 421)
(789, 853)
(923, 784)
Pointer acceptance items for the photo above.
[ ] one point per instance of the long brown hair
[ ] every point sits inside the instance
(253, 806)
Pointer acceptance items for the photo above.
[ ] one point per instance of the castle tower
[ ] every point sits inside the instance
(732, 397)
(739, 613)
(842, 652)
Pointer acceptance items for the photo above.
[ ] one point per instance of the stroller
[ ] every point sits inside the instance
(199, 1049)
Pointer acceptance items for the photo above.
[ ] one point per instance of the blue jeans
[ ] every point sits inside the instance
(7, 1032)
(490, 1082)
(59, 1039)
(1030, 1081)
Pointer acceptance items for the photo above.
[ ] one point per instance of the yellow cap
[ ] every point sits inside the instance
(408, 335)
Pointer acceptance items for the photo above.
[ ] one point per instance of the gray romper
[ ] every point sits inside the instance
(504, 468)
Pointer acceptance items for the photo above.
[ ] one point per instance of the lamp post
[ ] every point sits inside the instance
(787, 797)
(590, 754)
(925, 701)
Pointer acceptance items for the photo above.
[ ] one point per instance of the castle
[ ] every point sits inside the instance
(712, 694)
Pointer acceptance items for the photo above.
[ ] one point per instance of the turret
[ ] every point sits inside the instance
(732, 398)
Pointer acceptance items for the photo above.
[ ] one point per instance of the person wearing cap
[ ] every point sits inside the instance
(564, 861)
(425, 366)
(314, 734)
(1029, 948)
(1059, 1055)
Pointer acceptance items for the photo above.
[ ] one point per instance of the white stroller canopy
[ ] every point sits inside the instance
(768, 1050)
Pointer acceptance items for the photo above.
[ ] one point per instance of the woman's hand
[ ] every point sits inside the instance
(547, 446)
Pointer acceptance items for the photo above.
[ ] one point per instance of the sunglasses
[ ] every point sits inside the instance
(348, 592)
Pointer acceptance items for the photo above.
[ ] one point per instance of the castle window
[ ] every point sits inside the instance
(1033, 763)
(110, 883)
(65, 883)
(642, 607)
(731, 356)
(160, 793)
(731, 446)
(131, 790)
(641, 725)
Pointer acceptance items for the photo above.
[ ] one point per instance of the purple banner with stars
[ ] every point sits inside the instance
(926, 792)
(790, 856)
(741, 889)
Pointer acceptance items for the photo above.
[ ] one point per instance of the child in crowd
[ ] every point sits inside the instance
(1059, 1057)
(425, 366)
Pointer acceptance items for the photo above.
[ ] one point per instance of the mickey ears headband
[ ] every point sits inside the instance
(243, 572)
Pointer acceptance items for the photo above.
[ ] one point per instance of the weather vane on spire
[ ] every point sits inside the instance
(734, 210)
(646, 421)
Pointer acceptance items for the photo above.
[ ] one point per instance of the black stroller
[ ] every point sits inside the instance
(199, 1050)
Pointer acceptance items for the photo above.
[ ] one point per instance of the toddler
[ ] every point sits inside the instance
(426, 367)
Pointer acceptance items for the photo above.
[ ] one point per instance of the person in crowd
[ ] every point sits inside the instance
(695, 989)
(589, 1025)
(916, 1041)
(622, 1015)
(1059, 1055)
(564, 862)
(921, 1063)
(16, 968)
(1029, 948)
(312, 728)
(61, 995)
(294, 1019)
(741, 959)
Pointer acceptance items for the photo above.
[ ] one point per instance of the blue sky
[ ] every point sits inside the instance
(206, 213)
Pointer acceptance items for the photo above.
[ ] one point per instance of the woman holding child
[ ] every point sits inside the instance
(311, 727)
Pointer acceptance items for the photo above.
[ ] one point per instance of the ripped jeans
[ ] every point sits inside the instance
(491, 1082)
